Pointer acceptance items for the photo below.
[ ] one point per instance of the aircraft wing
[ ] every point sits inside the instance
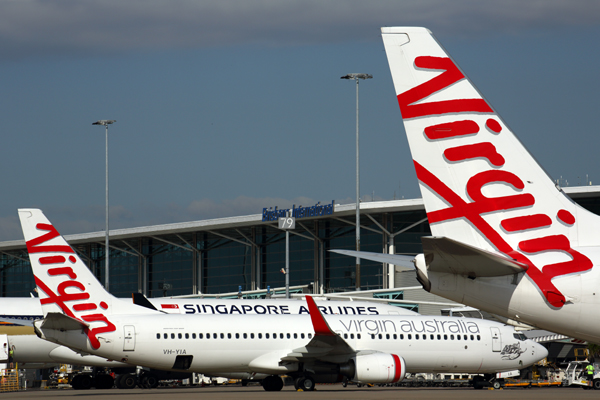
(325, 342)
(396, 259)
(443, 254)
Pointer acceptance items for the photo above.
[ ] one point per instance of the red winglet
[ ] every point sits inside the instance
(319, 323)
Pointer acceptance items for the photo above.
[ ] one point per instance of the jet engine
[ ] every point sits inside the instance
(375, 368)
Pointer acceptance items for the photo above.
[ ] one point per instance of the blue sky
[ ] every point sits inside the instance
(227, 107)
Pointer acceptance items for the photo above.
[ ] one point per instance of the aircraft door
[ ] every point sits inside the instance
(496, 339)
(129, 338)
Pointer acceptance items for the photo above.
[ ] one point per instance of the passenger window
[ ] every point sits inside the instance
(478, 337)
(417, 336)
(302, 335)
(260, 335)
(424, 337)
(215, 335)
(187, 335)
(409, 336)
(179, 335)
(289, 336)
(401, 336)
(172, 336)
(380, 336)
(245, 336)
(165, 336)
(281, 336)
(372, 336)
(237, 335)
(472, 337)
(352, 336)
(295, 336)
(457, 337)
(229, 336)
(357, 335)
(266, 335)
(208, 335)
(387, 335)
(431, 337)
(465, 337)
(310, 335)
(345, 336)
(193, 336)
(158, 335)
(451, 337)
(439, 337)
(200, 336)
(252, 336)
(445, 337)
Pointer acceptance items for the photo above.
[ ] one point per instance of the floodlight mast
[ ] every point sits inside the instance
(356, 78)
(106, 123)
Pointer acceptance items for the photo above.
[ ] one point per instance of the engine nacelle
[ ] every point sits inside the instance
(375, 368)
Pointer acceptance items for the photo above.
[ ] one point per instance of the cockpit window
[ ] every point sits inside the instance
(520, 336)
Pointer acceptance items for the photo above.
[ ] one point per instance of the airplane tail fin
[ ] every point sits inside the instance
(65, 284)
(479, 184)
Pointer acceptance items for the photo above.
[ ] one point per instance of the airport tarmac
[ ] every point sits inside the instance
(326, 392)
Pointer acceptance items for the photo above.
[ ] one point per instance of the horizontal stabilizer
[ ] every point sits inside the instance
(449, 256)
(395, 259)
(60, 322)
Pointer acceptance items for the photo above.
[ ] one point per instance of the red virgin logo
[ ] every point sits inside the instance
(479, 204)
(70, 290)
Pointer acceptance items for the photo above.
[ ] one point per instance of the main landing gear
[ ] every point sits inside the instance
(306, 383)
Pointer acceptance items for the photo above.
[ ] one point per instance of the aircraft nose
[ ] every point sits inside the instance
(540, 351)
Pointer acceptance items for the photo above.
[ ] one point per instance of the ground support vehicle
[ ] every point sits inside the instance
(575, 375)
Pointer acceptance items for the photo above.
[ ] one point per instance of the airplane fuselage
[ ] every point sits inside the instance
(220, 344)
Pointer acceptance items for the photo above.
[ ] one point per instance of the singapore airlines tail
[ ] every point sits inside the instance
(71, 297)
(489, 204)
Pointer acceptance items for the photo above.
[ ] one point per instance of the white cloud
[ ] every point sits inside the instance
(75, 27)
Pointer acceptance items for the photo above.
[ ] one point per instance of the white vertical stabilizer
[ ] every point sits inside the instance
(479, 184)
(65, 284)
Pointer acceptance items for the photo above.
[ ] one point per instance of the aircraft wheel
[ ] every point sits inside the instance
(150, 381)
(308, 384)
(272, 383)
(75, 382)
(104, 381)
(128, 381)
(344, 384)
(85, 381)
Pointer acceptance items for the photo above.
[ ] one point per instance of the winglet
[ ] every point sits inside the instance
(319, 324)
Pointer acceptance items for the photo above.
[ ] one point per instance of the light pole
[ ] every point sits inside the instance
(106, 123)
(356, 78)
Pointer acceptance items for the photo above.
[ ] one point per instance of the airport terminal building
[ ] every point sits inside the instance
(247, 253)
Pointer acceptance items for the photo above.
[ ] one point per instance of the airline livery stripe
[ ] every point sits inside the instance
(397, 368)
(52, 260)
(450, 76)
(526, 222)
(478, 150)
(451, 129)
